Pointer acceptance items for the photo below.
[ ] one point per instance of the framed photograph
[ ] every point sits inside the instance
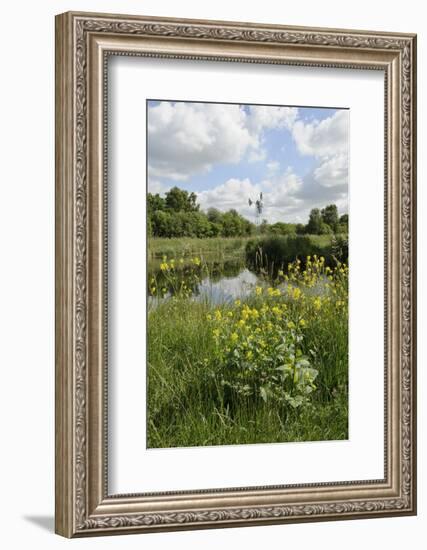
(235, 274)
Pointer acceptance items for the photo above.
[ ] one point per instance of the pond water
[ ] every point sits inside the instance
(218, 282)
(227, 289)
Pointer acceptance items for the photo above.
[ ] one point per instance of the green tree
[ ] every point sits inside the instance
(232, 224)
(344, 219)
(161, 224)
(180, 200)
(314, 222)
(214, 215)
(281, 228)
(330, 216)
(325, 229)
(343, 224)
(154, 202)
(263, 228)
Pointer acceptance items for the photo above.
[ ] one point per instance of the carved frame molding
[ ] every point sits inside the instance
(83, 42)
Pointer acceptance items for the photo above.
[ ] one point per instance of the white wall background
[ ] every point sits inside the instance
(27, 274)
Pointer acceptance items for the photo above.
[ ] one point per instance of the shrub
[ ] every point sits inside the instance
(276, 252)
(259, 350)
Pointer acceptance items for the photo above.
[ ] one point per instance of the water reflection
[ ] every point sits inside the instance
(217, 281)
(227, 289)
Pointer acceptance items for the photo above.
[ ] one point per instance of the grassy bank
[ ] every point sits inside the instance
(273, 368)
(187, 247)
(276, 252)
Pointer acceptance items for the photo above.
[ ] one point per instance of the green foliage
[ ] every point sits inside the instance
(178, 215)
(340, 247)
(201, 393)
(280, 228)
(344, 219)
(219, 248)
(179, 200)
(325, 222)
(330, 216)
(272, 253)
(314, 222)
(259, 350)
(154, 203)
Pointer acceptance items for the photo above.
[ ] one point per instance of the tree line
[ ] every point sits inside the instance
(178, 214)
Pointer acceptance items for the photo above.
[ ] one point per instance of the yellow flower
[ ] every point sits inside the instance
(291, 325)
(209, 317)
(164, 266)
(302, 323)
(246, 311)
(234, 337)
(280, 273)
(230, 314)
(196, 261)
(215, 332)
(276, 292)
(153, 290)
(317, 303)
(237, 302)
(249, 354)
(296, 293)
(241, 323)
(255, 313)
(181, 260)
(270, 291)
(218, 315)
(258, 290)
(276, 311)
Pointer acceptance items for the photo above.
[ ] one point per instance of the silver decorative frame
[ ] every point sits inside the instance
(83, 42)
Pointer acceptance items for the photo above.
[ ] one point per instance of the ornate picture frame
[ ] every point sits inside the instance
(84, 42)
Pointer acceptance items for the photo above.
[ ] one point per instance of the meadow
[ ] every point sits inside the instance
(187, 247)
(269, 365)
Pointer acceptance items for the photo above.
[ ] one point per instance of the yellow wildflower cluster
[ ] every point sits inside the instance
(176, 277)
(258, 344)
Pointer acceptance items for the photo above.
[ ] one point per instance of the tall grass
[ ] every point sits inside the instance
(188, 246)
(190, 370)
(275, 252)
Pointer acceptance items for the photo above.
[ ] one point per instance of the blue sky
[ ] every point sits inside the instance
(226, 153)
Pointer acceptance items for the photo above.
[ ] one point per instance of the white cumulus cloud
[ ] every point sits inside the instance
(327, 140)
(188, 139)
(279, 192)
(185, 139)
(333, 171)
(323, 138)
